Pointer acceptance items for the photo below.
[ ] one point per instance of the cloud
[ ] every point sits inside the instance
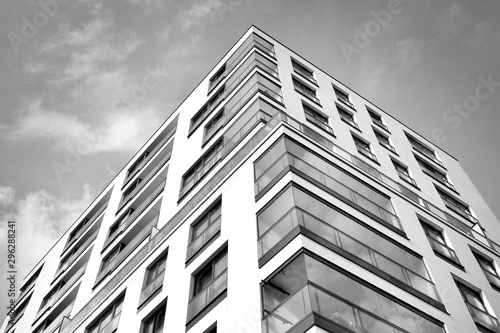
(7, 195)
(451, 23)
(484, 34)
(201, 11)
(374, 77)
(409, 51)
(149, 6)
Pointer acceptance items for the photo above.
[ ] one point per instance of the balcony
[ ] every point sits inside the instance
(388, 146)
(206, 236)
(304, 73)
(207, 295)
(407, 179)
(311, 299)
(356, 247)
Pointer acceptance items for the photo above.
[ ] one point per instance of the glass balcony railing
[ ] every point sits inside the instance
(207, 295)
(310, 299)
(151, 288)
(55, 326)
(320, 124)
(297, 216)
(304, 73)
(366, 152)
(484, 319)
(203, 238)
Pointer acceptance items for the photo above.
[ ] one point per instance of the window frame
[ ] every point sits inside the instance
(431, 230)
(377, 119)
(492, 274)
(305, 90)
(303, 70)
(404, 172)
(385, 141)
(365, 151)
(343, 96)
(95, 327)
(348, 117)
(314, 116)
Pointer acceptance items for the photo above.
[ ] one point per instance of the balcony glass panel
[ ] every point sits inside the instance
(203, 238)
(207, 295)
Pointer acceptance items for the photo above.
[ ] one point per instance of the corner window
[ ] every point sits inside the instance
(474, 301)
(439, 244)
(347, 117)
(317, 118)
(108, 321)
(155, 323)
(305, 90)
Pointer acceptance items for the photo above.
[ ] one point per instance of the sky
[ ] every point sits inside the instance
(77, 99)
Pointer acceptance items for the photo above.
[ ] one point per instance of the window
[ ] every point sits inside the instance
(363, 148)
(50, 296)
(156, 322)
(205, 229)
(423, 149)
(404, 173)
(209, 283)
(158, 269)
(477, 308)
(119, 225)
(137, 164)
(214, 125)
(435, 173)
(77, 231)
(348, 118)
(439, 244)
(129, 192)
(303, 71)
(317, 118)
(108, 321)
(206, 109)
(218, 76)
(31, 282)
(110, 258)
(383, 140)
(207, 161)
(343, 97)
(377, 119)
(489, 269)
(305, 90)
(456, 205)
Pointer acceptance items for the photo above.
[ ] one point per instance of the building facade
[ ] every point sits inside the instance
(274, 199)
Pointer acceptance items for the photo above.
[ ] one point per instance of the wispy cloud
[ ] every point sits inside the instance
(484, 34)
(450, 24)
(409, 51)
(200, 12)
(150, 6)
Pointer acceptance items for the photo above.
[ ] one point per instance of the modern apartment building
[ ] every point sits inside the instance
(274, 199)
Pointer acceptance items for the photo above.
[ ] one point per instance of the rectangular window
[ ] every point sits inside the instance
(303, 71)
(217, 77)
(208, 284)
(214, 124)
(204, 230)
(435, 173)
(153, 280)
(108, 321)
(305, 90)
(423, 149)
(155, 323)
(347, 117)
(456, 205)
(77, 231)
(317, 118)
(383, 140)
(363, 148)
(439, 244)
(137, 164)
(202, 166)
(207, 109)
(343, 97)
(404, 173)
(53, 292)
(377, 119)
(119, 225)
(110, 258)
(130, 191)
(489, 269)
(484, 320)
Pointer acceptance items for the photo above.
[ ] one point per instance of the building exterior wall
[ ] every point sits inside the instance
(165, 226)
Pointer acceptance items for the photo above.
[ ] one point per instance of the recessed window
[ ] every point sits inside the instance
(119, 225)
(456, 205)
(439, 244)
(155, 323)
(348, 117)
(303, 71)
(110, 258)
(363, 148)
(490, 270)
(384, 141)
(214, 125)
(205, 229)
(77, 231)
(138, 163)
(157, 270)
(130, 191)
(217, 77)
(108, 321)
(202, 166)
(207, 109)
(305, 90)
(485, 321)
(377, 119)
(31, 281)
(435, 173)
(404, 173)
(343, 97)
(317, 118)
(53, 292)
(208, 284)
(424, 149)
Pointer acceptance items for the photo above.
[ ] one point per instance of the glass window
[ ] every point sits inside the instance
(156, 270)
(317, 118)
(377, 119)
(303, 71)
(138, 163)
(110, 258)
(210, 272)
(363, 148)
(52, 293)
(305, 90)
(156, 322)
(120, 224)
(206, 109)
(404, 173)
(347, 117)
(477, 309)
(434, 173)
(383, 140)
(438, 243)
(455, 205)
(489, 269)
(343, 96)
(111, 314)
(423, 149)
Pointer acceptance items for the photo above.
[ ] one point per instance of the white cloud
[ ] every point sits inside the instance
(7, 195)
(201, 11)
(484, 34)
(374, 77)
(409, 51)
(451, 23)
